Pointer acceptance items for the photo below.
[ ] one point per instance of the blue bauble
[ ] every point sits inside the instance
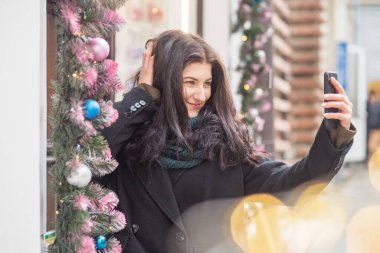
(91, 109)
(258, 1)
(101, 242)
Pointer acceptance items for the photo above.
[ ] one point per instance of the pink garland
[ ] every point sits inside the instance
(111, 68)
(69, 14)
(107, 152)
(118, 220)
(111, 16)
(81, 52)
(109, 113)
(82, 202)
(87, 245)
(108, 202)
(113, 246)
(90, 76)
(87, 226)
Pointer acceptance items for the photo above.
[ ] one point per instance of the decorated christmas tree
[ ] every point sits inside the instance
(86, 80)
(254, 22)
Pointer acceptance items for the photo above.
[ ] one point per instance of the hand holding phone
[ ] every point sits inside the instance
(329, 88)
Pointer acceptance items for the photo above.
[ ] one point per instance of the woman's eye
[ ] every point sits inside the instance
(208, 83)
(190, 82)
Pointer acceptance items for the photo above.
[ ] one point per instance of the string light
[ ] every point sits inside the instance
(77, 74)
(252, 61)
(77, 148)
(154, 10)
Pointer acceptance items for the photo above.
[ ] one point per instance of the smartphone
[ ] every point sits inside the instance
(329, 88)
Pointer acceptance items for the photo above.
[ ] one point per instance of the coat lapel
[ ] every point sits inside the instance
(161, 191)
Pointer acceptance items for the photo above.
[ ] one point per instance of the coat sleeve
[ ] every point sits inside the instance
(136, 108)
(322, 163)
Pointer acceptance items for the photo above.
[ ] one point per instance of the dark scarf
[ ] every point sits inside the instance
(175, 156)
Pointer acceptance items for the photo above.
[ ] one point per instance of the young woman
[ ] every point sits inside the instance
(179, 143)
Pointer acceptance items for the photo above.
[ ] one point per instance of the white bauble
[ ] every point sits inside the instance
(80, 176)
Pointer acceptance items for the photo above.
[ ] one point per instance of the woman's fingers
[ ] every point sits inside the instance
(339, 101)
(146, 72)
(339, 105)
(344, 118)
(338, 87)
(337, 97)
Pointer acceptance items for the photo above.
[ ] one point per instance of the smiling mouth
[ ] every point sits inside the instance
(197, 105)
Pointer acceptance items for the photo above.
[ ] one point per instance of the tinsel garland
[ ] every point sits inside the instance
(85, 210)
(253, 22)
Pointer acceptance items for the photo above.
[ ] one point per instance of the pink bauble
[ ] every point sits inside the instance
(99, 48)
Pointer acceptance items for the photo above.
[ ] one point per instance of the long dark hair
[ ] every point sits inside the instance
(173, 51)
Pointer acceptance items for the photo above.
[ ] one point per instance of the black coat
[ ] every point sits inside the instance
(191, 214)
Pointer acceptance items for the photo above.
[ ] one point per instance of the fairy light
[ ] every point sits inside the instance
(246, 87)
(244, 38)
(77, 157)
(76, 74)
(154, 10)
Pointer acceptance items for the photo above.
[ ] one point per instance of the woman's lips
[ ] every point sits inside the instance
(196, 106)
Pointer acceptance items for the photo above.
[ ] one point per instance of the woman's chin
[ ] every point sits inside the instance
(193, 114)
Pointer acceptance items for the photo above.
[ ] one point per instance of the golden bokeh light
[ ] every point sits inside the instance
(362, 232)
(256, 222)
(262, 223)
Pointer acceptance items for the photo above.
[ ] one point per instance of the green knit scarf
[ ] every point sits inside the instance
(177, 157)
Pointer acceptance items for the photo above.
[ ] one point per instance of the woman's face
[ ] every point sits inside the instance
(196, 86)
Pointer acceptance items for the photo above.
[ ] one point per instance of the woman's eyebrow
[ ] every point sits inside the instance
(195, 79)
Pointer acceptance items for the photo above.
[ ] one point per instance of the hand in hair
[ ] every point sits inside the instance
(146, 72)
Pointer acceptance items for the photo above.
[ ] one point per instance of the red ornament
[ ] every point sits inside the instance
(99, 48)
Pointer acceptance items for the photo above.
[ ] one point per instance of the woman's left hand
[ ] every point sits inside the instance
(339, 101)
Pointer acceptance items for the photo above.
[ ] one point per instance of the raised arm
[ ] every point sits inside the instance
(325, 157)
(137, 106)
(322, 163)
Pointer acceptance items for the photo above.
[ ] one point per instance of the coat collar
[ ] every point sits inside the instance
(160, 189)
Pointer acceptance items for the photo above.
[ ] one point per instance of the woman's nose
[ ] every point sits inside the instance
(200, 94)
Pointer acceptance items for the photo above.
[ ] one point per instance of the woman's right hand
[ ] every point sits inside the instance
(146, 72)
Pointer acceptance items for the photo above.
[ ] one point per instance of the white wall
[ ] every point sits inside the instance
(216, 31)
(22, 76)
